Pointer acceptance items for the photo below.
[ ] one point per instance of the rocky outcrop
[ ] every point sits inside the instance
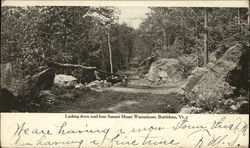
(30, 86)
(193, 79)
(15, 91)
(6, 75)
(164, 71)
(41, 81)
(169, 71)
(207, 87)
(8, 79)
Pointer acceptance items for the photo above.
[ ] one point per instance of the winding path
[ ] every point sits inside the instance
(137, 97)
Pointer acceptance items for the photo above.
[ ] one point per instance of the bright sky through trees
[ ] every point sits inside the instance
(133, 16)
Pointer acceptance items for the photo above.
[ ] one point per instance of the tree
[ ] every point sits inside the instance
(32, 36)
(205, 37)
(63, 34)
(186, 31)
(110, 52)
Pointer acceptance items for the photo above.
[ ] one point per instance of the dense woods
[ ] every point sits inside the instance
(33, 36)
(89, 43)
(181, 31)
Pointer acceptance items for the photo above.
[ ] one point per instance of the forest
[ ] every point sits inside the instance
(152, 61)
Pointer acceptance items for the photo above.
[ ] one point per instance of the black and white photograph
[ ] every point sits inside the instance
(124, 59)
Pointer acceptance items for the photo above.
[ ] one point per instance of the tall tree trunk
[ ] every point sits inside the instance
(103, 64)
(164, 46)
(248, 18)
(239, 20)
(198, 49)
(110, 54)
(205, 37)
(238, 16)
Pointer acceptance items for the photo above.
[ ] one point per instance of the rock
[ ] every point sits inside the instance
(190, 110)
(94, 84)
(212, 58)
(80, 85)
(6, 75)
(217, 83)
(30, 86)
(41, 81)
(46, 93)
(217, 54)
(65, 80)
(98, 85)
(193, 79)
(233, 107)
(45, 79)
(8, 80)
(118, 84)
(150, 59)
(229, 102)
(243, 107)
(165, 70)
(114, 79)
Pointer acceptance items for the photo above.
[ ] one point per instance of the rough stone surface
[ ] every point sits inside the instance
(30, 86)
(243, 107)
(215, 83)
(212, 58)
(8, 80)
(165, 71)
(194, 78)
(65, 80)
(80, 85)
(233, 107)
(95, 83)
(190, 110)
(41, 81)
(6, 75)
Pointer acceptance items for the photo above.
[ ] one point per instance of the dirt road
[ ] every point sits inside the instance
(123, 102)
(134, 98)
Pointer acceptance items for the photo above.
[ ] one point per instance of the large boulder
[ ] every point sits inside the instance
(207, 87)
(9, 80)
(194, 78)
(6, 75)
(165, 71)
(65, 81)
(29, 86)
(41, 81)
(44, 80)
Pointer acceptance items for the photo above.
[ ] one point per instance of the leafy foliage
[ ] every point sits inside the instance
(33, 36)
(179, 31)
